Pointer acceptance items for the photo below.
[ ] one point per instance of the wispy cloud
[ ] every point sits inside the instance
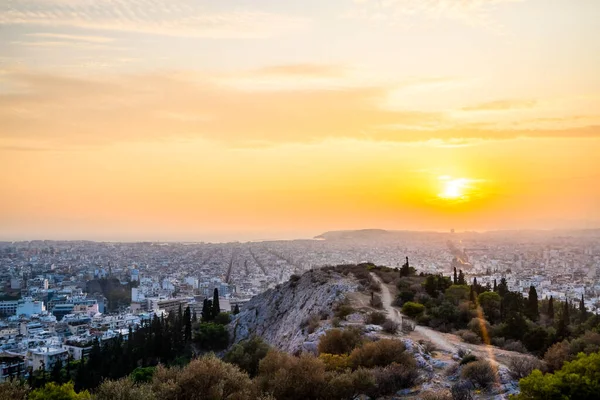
(173, 18)
(472, 12)
(157, 106)
(501, 105)
(76, 38)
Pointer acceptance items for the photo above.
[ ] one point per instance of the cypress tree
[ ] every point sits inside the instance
(187, 321)
(455, 280)
(461, 278)
(551, 308)
(502, 287)
(194, 316)
(236, 310)
(216, 305)
(206, 310)
(472, 296)
(495, 289)
(532, 304)
(582, 310)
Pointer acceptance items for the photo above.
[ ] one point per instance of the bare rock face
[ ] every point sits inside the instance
(280, 315)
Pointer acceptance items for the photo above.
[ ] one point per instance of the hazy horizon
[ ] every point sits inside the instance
(202, 120)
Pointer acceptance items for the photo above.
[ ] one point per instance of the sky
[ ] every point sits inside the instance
(225, 120)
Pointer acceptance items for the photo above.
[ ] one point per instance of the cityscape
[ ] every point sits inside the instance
(53, 305)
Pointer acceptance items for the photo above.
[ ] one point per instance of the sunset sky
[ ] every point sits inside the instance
(259, 119)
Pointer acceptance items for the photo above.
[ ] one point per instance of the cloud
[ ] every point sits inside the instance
(501, 105)
(471, 12)
(171, 18)
(76, 38)
(62, 109)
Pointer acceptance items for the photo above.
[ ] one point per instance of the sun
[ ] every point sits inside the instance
(454, 188)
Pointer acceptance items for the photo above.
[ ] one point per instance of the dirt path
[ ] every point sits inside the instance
(394, 314)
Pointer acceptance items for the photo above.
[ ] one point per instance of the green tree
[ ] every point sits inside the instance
(236, 309)
(579, 379)
(412, 309)
(461, 278)
(247, 354)
(502, 287)
(582, 310)
(490, 304)
(187, 322)
(455, 277)
(54, 391)
(551, 308)
(211, 336)
(455, 293)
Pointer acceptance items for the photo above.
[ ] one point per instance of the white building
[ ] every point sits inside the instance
(46, 356)
(27, 306)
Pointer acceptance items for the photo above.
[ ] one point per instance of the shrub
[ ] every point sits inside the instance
(480, 373)
(52, 390)
(335, 362)
(514, 345)
(349, 384)
(123, 389)
(380, 354)
(405, 295)
(203, 378)
(338, 341)
(575, 380)
(394, 377)
(520, 367)
(436, 395)
(376, 301)
(375, 286)
(557, 355)
(336, 322)
(469, 337)
(289, 377)
(452, 369)
(247, 354)
(390, 326)
(142, 375)
(211, 336)
(294, 278)
(407, 325)
(462, 391)
(480, 327)
(428, 347)
(313, 324)
(222, 318)
(469, 358)
(13, 390)
(412, 309)
(376, 318)
(343, 310)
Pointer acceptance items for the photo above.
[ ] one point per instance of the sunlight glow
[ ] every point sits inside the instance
(454, 188)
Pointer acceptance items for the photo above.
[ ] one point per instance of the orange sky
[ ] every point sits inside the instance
(198, 120)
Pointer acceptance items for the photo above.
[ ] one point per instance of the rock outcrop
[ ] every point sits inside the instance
(280, 315)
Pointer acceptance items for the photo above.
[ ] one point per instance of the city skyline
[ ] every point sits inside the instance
(222, 121)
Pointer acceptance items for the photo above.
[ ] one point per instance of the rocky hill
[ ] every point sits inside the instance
(281, 315)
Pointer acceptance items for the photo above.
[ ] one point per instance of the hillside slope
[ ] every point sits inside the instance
(279, 315)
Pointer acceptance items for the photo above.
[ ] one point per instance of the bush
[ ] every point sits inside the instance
(480, 327)
(390, 326)
(203, 378)
(338, 341)
(293, 378)
(469, 358)
(349, 384)
(375, 318)
(578, 379)
(380, 354)
(469, 337)
(223, 318)
(336, 322)
(376, 301)
(343, 310)
(247, 354)
(520, 367)
(436, 395)
(211, 336)
(13, 390)
(514, 345)
(375, 286)
(462, 391)
(480, 373)
(142, 375)
(428, 347)
(557, 355)
(335, 362)
(407, 325)
(412, 310)
(394, 377)
(123, 389)
(52, 390)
